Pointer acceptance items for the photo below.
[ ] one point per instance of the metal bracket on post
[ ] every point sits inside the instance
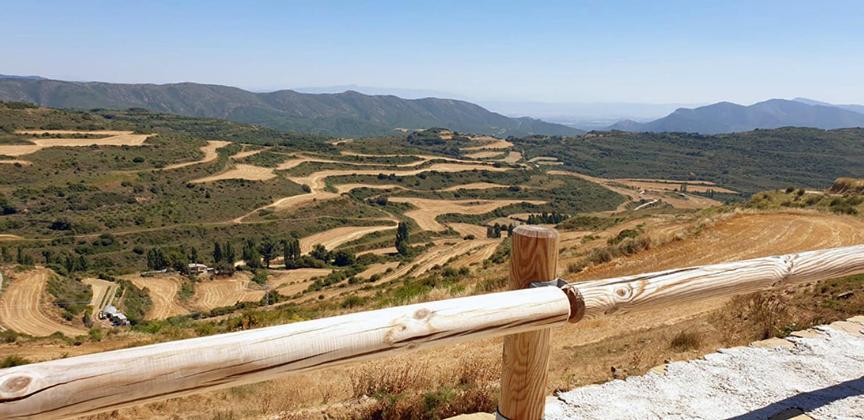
(559, 283)
(577, 303)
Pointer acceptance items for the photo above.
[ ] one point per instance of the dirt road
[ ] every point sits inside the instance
(24, 306)
(682, 201)
(475, 186)
(740, 237)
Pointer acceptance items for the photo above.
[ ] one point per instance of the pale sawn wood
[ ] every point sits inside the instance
(524, 370)
(111, 380)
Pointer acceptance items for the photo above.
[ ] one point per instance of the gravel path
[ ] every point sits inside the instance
(817, 372)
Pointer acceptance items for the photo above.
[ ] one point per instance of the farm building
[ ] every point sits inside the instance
(196, 268)
(114, 315)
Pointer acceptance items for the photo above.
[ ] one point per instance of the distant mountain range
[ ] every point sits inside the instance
(726, 117)
(339, 114)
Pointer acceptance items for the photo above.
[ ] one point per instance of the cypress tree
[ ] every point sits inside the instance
(217, 253)
(402, 238)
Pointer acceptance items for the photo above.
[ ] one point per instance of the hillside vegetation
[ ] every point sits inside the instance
(749, 162)
(343, 114)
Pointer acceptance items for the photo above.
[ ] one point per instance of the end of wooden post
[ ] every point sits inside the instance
(533, 257)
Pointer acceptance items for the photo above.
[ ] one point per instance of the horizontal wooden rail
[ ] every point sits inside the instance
(107, 381)
(624, 294)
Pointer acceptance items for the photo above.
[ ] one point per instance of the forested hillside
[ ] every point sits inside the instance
(342, 114)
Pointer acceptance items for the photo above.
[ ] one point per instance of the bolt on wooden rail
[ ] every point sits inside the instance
(107, 381)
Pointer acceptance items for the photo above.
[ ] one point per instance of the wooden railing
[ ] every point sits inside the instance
(107, 381)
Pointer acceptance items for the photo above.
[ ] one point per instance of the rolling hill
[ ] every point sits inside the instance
(341, 114)
(727, 117)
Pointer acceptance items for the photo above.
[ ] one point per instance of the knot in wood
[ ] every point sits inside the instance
(422, 313)
(624, 292)
(15, 384)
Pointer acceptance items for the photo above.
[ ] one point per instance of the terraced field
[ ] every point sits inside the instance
(209, 151)
(103, 293)
(334, 237)
(101, 138)
(25, 308)
(224, 291)
(163, 292)
(427, 210)
(291, 282)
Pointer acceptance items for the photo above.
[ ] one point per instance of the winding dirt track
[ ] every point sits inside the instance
(475, 186)
(24, 307)
(103, 292)
(163, 293)
(428, 209)
(209, 151)
(334, 237)
(112, 138)
(690, 202)
(660, 185)
(9, 237)
(741, 237)
(224, 291)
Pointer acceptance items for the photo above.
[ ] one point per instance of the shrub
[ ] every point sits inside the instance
(13, 360)
(685, 340)
(70, 295)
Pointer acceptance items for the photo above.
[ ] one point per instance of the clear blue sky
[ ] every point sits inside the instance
(573, 51)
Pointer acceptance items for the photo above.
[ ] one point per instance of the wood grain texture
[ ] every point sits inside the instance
(524, 371)
(107, 381)
(625, 294)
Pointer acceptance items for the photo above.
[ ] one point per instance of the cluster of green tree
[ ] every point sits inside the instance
(494, 231)
(175, 258)
(547, 218)
(65, 263)
(20, 257)
(5, 207)
(402, 240)
(136, 302)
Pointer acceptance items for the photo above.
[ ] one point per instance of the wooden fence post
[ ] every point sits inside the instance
(533, 257)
